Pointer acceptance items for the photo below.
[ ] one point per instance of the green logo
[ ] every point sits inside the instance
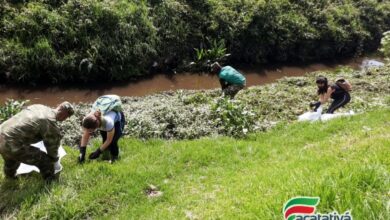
(304, 208)
(300, 205)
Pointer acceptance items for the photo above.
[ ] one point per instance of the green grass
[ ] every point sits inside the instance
(345, 162)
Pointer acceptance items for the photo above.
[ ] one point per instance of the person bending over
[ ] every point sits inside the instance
(110, 126)
(230, 79)
(335, 91)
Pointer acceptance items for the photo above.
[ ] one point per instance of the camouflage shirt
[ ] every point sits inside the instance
(33, 124)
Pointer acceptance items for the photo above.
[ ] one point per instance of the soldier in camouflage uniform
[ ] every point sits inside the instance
(31, 125)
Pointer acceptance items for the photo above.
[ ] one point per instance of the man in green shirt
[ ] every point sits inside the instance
(31, 125)
(230, 79)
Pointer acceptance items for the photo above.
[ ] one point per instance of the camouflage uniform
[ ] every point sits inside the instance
(33, 124)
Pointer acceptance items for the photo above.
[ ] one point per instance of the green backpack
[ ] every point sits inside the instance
(107, 103)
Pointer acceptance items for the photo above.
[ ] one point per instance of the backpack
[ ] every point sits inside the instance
(344, 84)
(107, 103)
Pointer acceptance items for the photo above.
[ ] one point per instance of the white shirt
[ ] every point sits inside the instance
(108, 120)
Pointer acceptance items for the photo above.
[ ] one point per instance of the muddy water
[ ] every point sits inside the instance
(255, 76)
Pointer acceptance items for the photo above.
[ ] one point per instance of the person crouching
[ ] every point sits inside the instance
(31, 125)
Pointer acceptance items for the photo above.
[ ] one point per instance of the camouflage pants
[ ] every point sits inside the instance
(14, 154)
(231, 90)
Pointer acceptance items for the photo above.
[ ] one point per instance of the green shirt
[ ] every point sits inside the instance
(232, 76)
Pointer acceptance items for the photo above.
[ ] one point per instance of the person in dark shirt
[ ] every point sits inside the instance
(339, 95)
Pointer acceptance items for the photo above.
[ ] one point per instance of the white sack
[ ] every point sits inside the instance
(311, 116)
(25, 168)
(315, 116)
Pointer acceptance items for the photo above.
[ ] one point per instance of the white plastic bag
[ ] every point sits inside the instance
(371, 64)
(25, 168)
(311, 116)
(326, 117)
(315, 116)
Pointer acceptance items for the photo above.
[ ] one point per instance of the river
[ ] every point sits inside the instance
(52, 95)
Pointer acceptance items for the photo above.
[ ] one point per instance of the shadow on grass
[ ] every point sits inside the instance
(24, 191)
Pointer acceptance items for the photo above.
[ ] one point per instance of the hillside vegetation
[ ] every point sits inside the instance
(56, 41)
(187, 114)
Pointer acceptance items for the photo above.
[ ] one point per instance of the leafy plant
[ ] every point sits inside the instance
(385, 44)
(10, 108)
(198, 98)
(233, 117)
(200, 54)
(204, 57)
(216, 52)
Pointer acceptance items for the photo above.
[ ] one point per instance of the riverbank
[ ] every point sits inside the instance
(255, 74)
(344, 162)
(186, 114)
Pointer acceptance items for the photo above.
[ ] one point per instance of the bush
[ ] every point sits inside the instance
(385, 44)
(196, 99)
(172, 20)
(232, 117)
(11, 108)
(77, 41)
(55, 41)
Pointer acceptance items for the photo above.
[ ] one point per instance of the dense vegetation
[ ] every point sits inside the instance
(192, 114)
(55, 41)
(345, 162)
(10, 108)
(385, 45)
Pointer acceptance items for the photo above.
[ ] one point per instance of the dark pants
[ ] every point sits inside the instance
(339, 102)
(231, 90)
(113, 147)
(32, 156)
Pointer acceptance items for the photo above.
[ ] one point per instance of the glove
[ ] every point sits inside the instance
(316, 105)
(95, 154)
(82, 154)
(57, 167)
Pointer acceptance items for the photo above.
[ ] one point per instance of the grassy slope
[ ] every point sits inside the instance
(345, 162)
